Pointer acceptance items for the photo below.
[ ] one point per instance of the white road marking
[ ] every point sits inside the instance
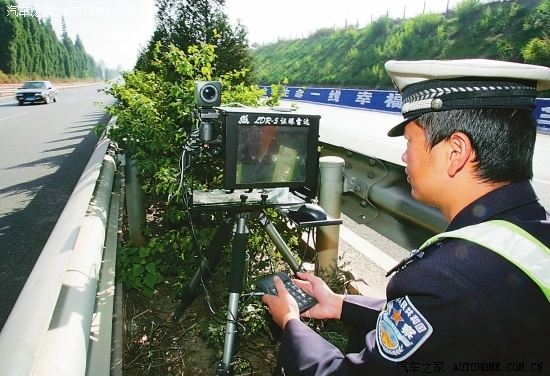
(12, 116)
(367, 249)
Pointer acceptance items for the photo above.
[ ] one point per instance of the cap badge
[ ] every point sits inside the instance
(437, 104)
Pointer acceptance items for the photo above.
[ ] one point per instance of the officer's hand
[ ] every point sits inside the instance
(329, 304)
(282, 307)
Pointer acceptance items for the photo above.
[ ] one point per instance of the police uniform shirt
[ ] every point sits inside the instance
(460, 303)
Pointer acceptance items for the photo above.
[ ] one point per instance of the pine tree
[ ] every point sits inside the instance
(7, 34)
(30, 47)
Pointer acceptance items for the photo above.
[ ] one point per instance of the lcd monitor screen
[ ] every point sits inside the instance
(269, 150)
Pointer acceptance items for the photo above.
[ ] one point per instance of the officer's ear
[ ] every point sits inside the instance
(461, 153)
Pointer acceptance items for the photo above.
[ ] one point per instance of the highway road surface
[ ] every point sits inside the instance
(43, 151)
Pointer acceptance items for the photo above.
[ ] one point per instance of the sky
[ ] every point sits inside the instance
(114, 31)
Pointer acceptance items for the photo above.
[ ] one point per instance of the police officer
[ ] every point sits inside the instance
(477, 297)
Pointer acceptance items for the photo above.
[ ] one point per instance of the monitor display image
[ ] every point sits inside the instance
(269, 150)
(270, 153)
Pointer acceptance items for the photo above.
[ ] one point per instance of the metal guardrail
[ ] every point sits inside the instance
(63, 315)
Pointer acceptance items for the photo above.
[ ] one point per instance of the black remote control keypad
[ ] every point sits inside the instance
(304, 300)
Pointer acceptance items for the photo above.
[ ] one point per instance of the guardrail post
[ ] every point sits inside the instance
(331, 171)
(134, 204)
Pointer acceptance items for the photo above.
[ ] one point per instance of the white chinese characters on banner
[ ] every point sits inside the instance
(334, 95)
(363, 97)
(393, 100)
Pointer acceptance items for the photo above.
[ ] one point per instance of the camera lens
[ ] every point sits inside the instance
(209, 93)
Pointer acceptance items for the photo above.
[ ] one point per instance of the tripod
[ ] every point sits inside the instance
(237, 274)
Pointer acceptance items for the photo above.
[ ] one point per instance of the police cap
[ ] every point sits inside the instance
(443, 85)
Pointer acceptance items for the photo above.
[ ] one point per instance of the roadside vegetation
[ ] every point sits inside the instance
(354, 57)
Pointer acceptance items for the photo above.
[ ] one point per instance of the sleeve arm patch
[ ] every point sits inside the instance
(401, 329)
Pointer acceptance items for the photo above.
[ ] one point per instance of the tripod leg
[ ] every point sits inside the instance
(279, 242)
(236, 280)
(211, 257)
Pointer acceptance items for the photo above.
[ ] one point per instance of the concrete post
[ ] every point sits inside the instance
(331, 172)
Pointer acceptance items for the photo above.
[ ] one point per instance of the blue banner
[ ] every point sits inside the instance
(542, 113)
(379, 100)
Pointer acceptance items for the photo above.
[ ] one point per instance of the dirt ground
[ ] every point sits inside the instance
(155, 344)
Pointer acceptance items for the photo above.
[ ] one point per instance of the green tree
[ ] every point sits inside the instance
(537, 50)
(19, 51)
(187, 23)
(68, 51)
(33, 56)
(7, 35)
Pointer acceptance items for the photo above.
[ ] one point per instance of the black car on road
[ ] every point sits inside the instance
(36, 92)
